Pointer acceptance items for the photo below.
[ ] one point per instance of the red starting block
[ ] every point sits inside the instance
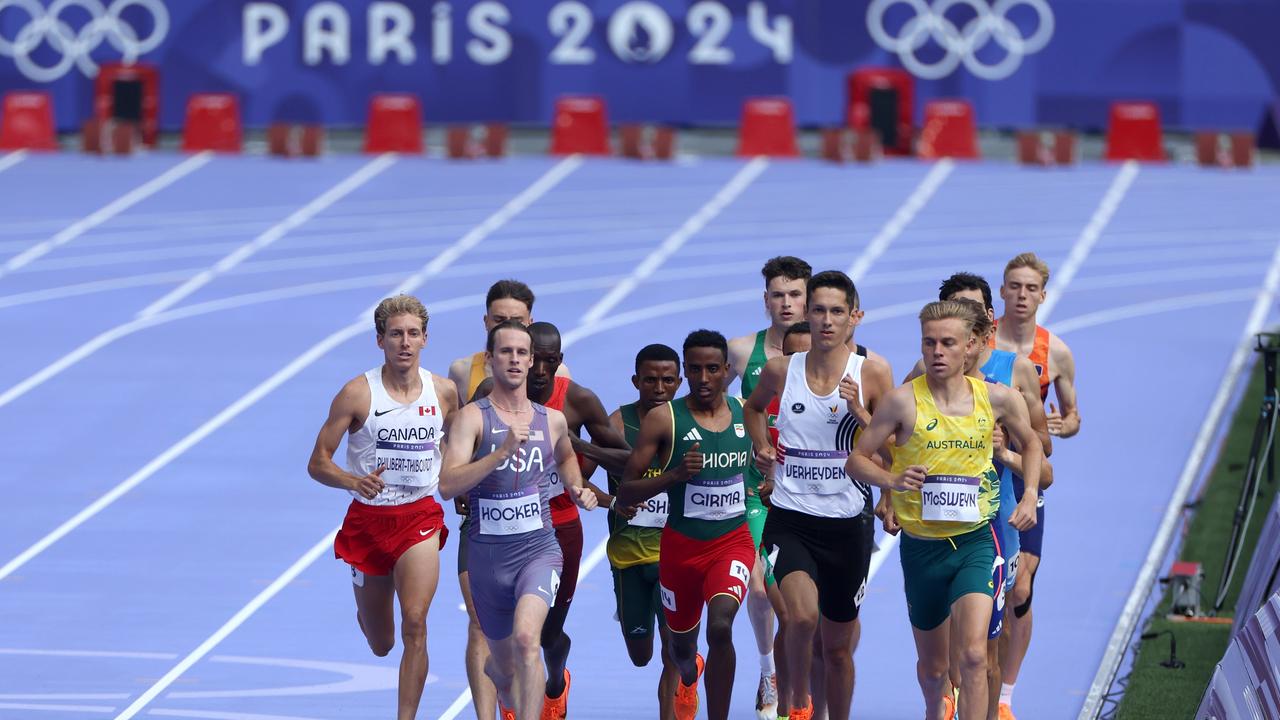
(580, 126)
(27, 122)
(1134, 132)
(768, 128)
(646, 142)
(288, 140)
(213, 123)
(949, 131)
(467, 142)
(1044, 148)
(1218, 149)
(395, 124)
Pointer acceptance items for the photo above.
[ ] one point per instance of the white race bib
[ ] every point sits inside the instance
(510, 516)
(407, 463)
(950, 498)
(653, 512)
(706, 499)
(813, 472)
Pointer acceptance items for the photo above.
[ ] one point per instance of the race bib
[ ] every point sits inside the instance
(813, 472)
(509, 516)
(653, 513)
(950, 498)
(706, 499)
(408, 462)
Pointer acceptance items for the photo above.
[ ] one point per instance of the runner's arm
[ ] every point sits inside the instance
(1011, 412)
(773, 379)
(892, 418)
(459, 373)
(460, 473)
(608, 447)
(1063, 422)
(654, 438)
(739, 354)
(567, 463)
(346, 413)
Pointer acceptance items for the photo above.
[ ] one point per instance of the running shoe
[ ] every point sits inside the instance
(948, 707)
(767, 697)
(1004, 712)
(686, 703)
(505, 712)
(557, 708)
(805, 713)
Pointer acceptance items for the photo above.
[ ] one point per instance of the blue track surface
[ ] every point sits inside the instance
(218, 504)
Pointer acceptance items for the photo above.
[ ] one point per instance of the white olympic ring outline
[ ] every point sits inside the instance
(961, 43)
(47, 26)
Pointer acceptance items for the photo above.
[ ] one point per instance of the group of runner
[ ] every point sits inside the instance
(712, 500)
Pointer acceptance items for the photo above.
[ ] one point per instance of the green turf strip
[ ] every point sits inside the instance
(1154, 691)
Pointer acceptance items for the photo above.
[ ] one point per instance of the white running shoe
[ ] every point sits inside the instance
(767, 697)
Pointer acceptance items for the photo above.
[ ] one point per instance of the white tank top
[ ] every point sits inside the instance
(404, 438)
(815, 437)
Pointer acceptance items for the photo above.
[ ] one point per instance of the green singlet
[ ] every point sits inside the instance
(631, 544)
(710, 504)
(757, 513)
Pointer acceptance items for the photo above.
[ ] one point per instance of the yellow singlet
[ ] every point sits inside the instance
(960, 491)
(478, 374)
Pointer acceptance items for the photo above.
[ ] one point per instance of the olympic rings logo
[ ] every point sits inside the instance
(46, 26)
(961, 44)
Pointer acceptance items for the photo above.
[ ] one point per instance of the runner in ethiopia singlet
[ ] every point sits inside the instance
(514, 550)
(405, 439)
(706, 549)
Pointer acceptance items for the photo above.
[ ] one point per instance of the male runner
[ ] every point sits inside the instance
(581, 408)
(506, 300)
(394, 419)
(944, 497)
(706, 552)
(507, 453)
(635, 532)
(784, 291)
(817, 535)
(1023, 290)
(1004, 368)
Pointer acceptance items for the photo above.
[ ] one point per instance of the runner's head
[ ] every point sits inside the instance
(508, 300)
(971, 287)
(784, 289)
(401, 324)
(797, 339)
(1025, 278)
(983, 326)
(832, 309)
(657, 375)
(546, 357)
(706, 365)
(947, 336)
(509, 352)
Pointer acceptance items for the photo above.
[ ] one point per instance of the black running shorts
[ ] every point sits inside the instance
(835, 552)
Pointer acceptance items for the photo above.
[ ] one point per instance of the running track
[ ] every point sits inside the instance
(174, 328)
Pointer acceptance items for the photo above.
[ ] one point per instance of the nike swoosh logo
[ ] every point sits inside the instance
(495, 431)
(380, 413)
(425, 533)
(543, 591)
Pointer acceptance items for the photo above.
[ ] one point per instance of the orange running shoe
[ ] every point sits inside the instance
(557, 708)
(505, 712)
(686, 703)
(1004, 712)
(948, 707)
(805, 713)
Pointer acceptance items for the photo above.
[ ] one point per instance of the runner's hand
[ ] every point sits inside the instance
(766, 457)
(370, 485)
(910, 479)
(517, 435)
(628, 511)
(1054, 418)
(851, 393)
(693, 461)
(584, 498)
(889, 519)
(766, 492)
(999, 450)
(1023, 517)
(460, 505)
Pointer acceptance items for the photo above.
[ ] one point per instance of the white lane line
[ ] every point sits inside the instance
(282, 375)
(903, 217)
(367, 172)
(95, 286)
(1089, 236)
(229, 626)
(1084, 243)
(108, 211)
(12, 159)
(730, 192)
(56, 708)
(1193, 468)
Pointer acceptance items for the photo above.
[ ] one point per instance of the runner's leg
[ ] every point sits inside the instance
(416, 575)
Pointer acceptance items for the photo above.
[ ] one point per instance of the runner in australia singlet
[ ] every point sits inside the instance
(959, 494)
(636, 541)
